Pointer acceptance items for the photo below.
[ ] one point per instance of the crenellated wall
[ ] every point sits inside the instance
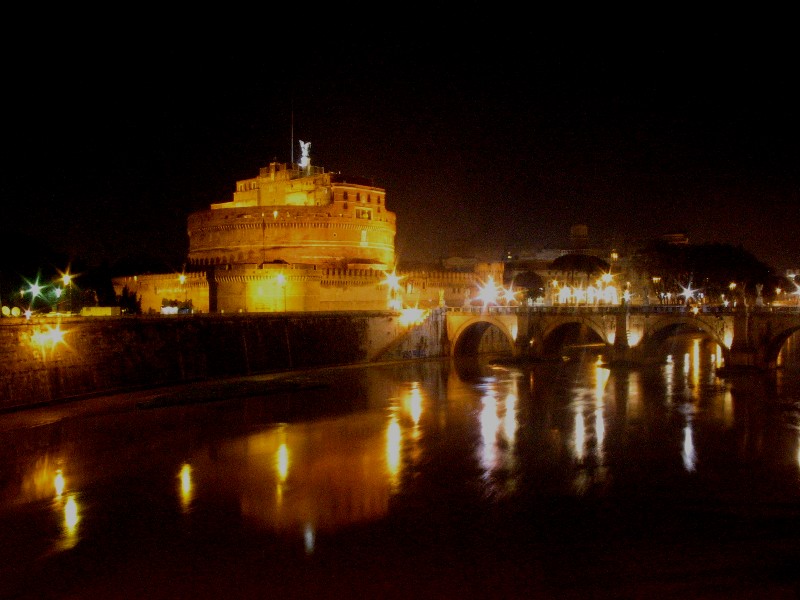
(103, 355)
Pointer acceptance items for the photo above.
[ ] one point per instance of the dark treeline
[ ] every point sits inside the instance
(715, 269)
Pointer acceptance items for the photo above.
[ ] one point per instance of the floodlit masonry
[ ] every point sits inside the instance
(297, 216)
(296, 238)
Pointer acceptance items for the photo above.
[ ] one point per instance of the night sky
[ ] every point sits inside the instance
(487, 132)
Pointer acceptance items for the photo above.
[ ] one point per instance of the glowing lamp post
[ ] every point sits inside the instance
(688, 294)
(393, 282)
(489, 293)
(35, 290)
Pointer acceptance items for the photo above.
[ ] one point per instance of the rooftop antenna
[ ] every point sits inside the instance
(291, 151)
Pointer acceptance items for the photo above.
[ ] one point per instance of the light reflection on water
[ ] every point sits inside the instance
(414, 436)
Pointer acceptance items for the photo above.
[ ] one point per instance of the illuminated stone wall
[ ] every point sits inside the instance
(296, 216)
(97, 355)
(431, 288)
(333, 238)
(265, 288)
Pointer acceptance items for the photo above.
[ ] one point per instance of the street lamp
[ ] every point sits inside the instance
(392, 280)
(488, 293)
(35, 290)
(66, 279)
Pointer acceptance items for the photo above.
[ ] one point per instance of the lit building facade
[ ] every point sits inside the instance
(293, 238)
(297, 238)
(297, 216)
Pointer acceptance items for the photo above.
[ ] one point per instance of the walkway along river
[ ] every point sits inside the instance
(424, 479)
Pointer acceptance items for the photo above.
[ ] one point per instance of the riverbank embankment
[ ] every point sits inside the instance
(51, 359)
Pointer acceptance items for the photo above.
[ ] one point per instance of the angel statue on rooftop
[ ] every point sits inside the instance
(304, 159)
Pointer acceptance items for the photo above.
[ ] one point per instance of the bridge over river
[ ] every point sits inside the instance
(748, 336)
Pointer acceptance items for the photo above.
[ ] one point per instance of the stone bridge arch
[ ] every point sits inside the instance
(747, 338)
(659, 329)
(555, 332)
(473, 335)
(772, 346)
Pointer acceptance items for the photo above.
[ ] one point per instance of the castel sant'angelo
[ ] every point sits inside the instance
(295, 238)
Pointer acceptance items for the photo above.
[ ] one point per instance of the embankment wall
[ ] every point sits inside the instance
(103, 355)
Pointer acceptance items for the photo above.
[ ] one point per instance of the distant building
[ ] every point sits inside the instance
(678, 238)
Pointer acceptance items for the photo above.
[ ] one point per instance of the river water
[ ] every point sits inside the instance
(429, 479)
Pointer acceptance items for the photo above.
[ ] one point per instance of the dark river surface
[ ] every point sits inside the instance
(429, 479)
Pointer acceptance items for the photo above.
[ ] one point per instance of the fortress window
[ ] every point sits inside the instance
(345, 195)
(345, 205)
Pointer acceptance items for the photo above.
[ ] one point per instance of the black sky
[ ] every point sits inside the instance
(488, 132)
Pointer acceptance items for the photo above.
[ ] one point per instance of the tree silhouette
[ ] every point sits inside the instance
(711, 268)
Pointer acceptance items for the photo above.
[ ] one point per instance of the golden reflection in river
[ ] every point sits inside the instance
(601, 376)
(404, 441)
(695, 384)
(315, 476)
(600, 432)
(59, 483)
(498, 423)
(282, 461)
(68, 506)
(490, 425)
(281, 467)
(589, 428)
(691, 364)
(185, 486)
(509, 430)
(394, 448)
(413, 404)
(70, 512)
(579, 443)
(510, 420)
(669, 374)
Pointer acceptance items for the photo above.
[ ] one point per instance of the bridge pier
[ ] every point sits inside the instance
(745, 353)
(621, 351)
